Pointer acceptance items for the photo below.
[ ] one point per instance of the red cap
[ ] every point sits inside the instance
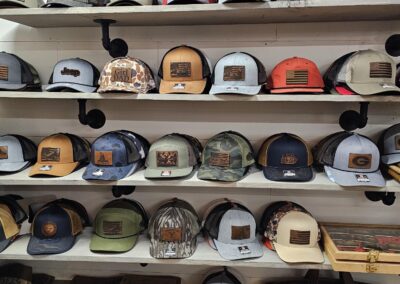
(343, 90)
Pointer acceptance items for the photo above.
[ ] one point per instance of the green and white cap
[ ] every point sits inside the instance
(20, 3)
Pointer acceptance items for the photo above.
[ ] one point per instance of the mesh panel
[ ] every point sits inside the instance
(26, 75)
(132, 154)
(132, 205)
(328, 156)
(143, 141)
(320, 149)
(243, 137)
(333, 70)
(195, 143)
(262, 74)
(76, 223)
(29, 149)
(80, 148)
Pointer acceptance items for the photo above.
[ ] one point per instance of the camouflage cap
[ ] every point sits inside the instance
(126, 74)
(226, 157)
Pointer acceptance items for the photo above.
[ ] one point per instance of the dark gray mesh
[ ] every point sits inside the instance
(80, 148)
(328, 155)
(181, 204)
(333, 70)
(320, 150)
(131, 205)
(29, 149)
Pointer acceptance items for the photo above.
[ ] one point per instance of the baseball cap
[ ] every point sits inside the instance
(9, 228)
(13, 205)
(173, 230)
(389, 145)
(17, 74)
(118, 225)
(230, 228)
(20, 4)
(180, 2)
(226, 157)
(129, 2)
(221, 277)
(330, 77)
(67, 3)
(54, 229)
(184, 69)
(76, 74)
(16, 153)
(296, 75)
(73, 205)
(61, 154)
(114, 156)
(126, 74)
(286, 157)
(292, 232)
(238, 73)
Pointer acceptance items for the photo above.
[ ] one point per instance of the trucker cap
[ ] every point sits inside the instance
(180, 2)
(238, 73)
(61, 154)
(16, 74)
(330, 77)
(230, 228)
(286, 157)
(184, 69)
(226, 157)
(9, 228)
(126, 74)
(54, 229)
(292, 232)
(389, 145)
(118, 225)
(16, 153)
(221, 277)
(296, 75)
(12, 203)
(67, 3)
(130, 2)
(173, 230)
(20, 4)
(76, 74)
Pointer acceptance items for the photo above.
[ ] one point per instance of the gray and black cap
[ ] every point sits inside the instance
(389, 145)
(221, 277)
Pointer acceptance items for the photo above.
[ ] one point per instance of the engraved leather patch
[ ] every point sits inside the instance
(181, 69)
(70, 72)
(300, 237)
(380, 70)
(121, 74)
(3, 152)
(112, 228)
(360, 161)
(234, 73)
(4, 72)
(49, 229)
(296, 77)
(220, 159)
(289, 159)
(167, 158)
(171, 234)
(397, 142)
(240, 232)
(103, 158)
(50, 155)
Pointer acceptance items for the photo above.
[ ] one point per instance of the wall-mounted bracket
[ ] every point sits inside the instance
(95, 118)
(116, 47)
(392, 45)
(119, 190)
(351, 120)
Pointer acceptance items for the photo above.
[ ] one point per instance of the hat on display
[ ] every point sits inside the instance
(130, 2)
(20, 4)
(67, 3)
(12, 203)
(16, 153)
(181, 2)
(73, 205)
(238, 73)
(9, 228)
(221, 277)
(389, 145)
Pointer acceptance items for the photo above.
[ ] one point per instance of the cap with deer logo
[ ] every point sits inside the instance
(389, 145)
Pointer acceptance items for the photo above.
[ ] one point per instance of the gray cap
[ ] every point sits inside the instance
(12, 154)
(130, 2)
(67, 3)
(389, 144)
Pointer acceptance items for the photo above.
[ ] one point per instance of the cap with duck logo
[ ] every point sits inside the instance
(184, 69)
(16, 153)
(221, 277)
(238, 73)
(130, 2)
(54, 229)
(180, 2)
(389, 145)
(17, 75)
(75, 74)
(118, 225)
(296, 75)
(173, 230)
(286, 157)
(67, 3)
(61, 154)
(126, 74)
(9, 228)
(230, 228)
(20, 4)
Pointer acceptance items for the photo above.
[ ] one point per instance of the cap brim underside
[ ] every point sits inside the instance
(372, 89)
(11, 3)
(297, 90)
(221, 174)
(343, 91)
(232, 252)
(300, 174)
(126, 3)
(183, 249)
(80, 88)
(4, 244)
(191, 87)
(13, 167)
(100, 244)
(157, 173)
(109, 173)
(240, 90)
(390, 159)
(299, 255)
(5, 86)
(345, 178)
(57, 170)
(50, 246)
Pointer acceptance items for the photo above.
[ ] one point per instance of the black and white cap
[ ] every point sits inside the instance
(16, 153)
(389, 145)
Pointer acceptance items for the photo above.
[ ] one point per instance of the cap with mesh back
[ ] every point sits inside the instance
(17, 75)
(221, 277)
(130, 2)
(141, 143)
(180, 2)
(61, 154)
(16, 153)
(331, 80)
(286, 157)
(173, 230)
(238, 73)
(11, 201)
(118, 225)
(9, 228)
(72, 205)
(68, 3)
(20, 4)
(389, 145)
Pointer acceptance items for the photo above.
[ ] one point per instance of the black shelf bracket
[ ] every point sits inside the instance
(392, 45)
(119, 190)
(116, 47)
(351, 120)
(95, 118)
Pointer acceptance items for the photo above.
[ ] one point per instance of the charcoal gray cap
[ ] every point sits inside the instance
(10, 72)
(391, 145)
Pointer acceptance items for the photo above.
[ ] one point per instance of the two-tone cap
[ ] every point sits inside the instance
(180, 2)
(75, 74)
(126, 74)
(238, 73)
(20, 3)
(118, 225)
(330, 77)
(184, 69)
(221, 277)
(296, 75)
(67, 3)
(17, 74)
(61, 154)
(389, 145)
(9, 228)
(12, 203)
(130, 2)
(173, 230)
(286, 157)
(16, 153)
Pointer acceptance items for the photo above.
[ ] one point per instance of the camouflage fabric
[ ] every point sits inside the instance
(126, 74)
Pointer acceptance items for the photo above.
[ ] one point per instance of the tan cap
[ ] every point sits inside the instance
(8, 227)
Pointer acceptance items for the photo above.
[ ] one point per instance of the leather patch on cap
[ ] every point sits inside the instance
(397, 142)
(49, 229)
(181, 69)
(70, 72)
(380, 70)
(360, 161)
(167, 158)
(240, 232)
(50, 154)
(103, 158)
(296, 77)
(171, 234)
(289, 159)
(4, 72)
(220, 160)
(112, 228)
(300, 237)
(234, 73)
(3, 152)
(121, 74)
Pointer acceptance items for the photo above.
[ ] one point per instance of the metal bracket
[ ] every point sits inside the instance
(392, 45)
(95, 118)
(351, 120)
(116, 47)
(119, 190)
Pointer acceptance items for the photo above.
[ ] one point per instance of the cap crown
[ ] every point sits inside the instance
(390, 140)
(56, 149)
(75, 71)
(8, 226)
(10, 69)
(221, 277)
(11, 204)
(10, 150)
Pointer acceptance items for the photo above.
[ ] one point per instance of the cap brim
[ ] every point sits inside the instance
(390, 159)
(76, 87)
(12, 86)
(100, 244)
(50, 246)
(13, 167)
(124, 3)
(158, 173)
(217, 173)
(183, 249)
(298, 254)
(297, 174)
(372, 89)
(344, 91)
(232, 252)
(4, 244)
(241, 90)
(297, 90)
(345, 178)
(57, 170)
(16, 4)
(109, 173)
(191, 87)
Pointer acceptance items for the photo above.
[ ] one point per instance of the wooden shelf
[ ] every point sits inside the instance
(210, 14)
